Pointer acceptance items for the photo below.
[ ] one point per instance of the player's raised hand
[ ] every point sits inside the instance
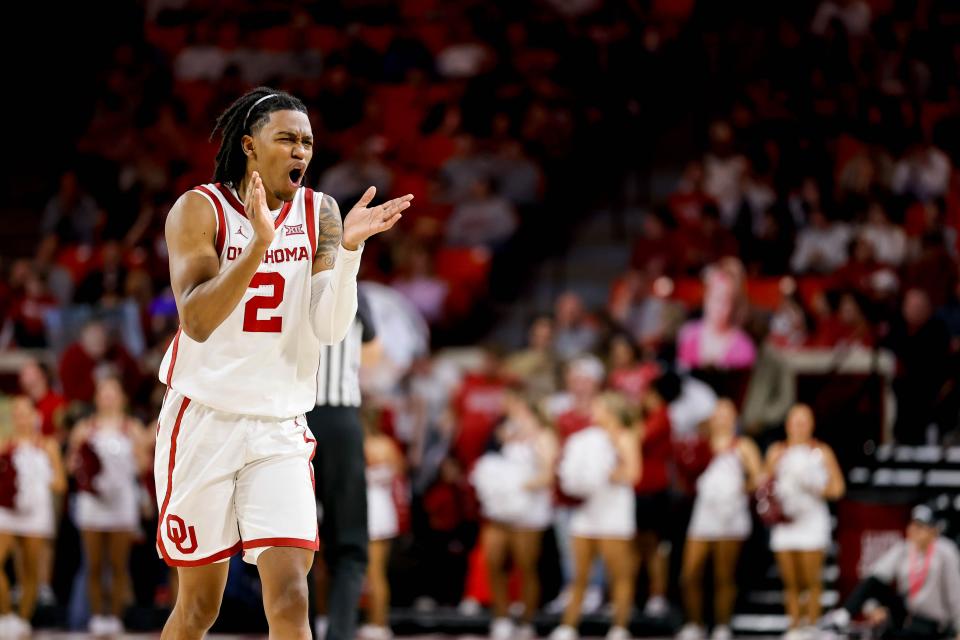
(361, 222)
(257, 212)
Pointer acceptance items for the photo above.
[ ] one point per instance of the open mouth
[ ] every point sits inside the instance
(296, 175)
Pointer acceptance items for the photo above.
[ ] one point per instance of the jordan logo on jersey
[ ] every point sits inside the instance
(294, 229)
(241, 233)
(179, 533)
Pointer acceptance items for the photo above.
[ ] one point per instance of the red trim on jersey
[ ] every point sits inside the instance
(216, 557)
(232, 199)
(313, 452)
(236, 204)
(311, 216)
(173, 356)
(221, 218)
(170, 465)
(298, 543)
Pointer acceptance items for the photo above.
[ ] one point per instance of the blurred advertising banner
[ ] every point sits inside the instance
(865, 531)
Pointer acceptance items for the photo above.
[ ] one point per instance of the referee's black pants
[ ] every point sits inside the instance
(340, 474)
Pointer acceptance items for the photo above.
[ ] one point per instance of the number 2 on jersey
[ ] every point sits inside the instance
(251, 312)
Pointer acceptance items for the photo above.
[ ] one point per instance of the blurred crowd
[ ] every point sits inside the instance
(812, 204)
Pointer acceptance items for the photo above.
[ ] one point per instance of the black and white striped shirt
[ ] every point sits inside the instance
(338, 377)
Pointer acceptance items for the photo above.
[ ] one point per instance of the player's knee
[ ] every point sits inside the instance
(290, 601)
(199, 612)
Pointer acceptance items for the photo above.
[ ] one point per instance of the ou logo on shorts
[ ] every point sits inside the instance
(178, 532)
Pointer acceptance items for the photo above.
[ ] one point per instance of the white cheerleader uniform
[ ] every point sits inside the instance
(801, 477)
(33, 513)
(116, 507)
(721, 510)
(382, 521)
(607, 513)
(538, 515)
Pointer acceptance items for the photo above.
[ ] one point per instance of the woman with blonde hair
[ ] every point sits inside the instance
(601, 464)
(27, 518)
(806, 475)
(720, 523)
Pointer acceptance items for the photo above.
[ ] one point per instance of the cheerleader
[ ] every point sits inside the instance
(107, 452)
(384, 464)
(530, 446)
(34, 471)
(721, 521)
(806, 475)
(601, 464)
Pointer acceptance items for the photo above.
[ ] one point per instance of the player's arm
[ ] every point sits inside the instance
(206, 295)
(333, 289)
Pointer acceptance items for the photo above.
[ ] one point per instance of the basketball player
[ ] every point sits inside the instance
(264, 272)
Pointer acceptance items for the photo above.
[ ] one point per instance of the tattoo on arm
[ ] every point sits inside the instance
(330, 233)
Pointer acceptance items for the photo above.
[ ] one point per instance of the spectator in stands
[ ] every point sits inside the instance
(705, 243)
(864, 274)
(717, 341)
(348, 179)
(105, 284)
(93, 356)
(888, 240)
(923, 173)
(913, 589)
(848, 326)
(644, 308)
(420, 285)
(464, 168)
(686, 204)
(536, 365)
(603, 525)
(790, 323)
(821, 247)
(853, 15)
(574, 331)
(50, 405)
(477, 408)
(720, 523)
(653, 508)
(483, 219)
(70, 217)
(518, 177)
(25, 324)
(724, 169)
(921, 343)
(807, 475)
(626, 372)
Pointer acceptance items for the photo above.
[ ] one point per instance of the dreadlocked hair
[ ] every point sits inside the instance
(244, 117)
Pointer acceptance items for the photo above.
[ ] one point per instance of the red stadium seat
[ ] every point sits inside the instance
(170, 40)
(326, 39)
(377, 37)
(275, 38)
(465, 270)
(764, 292)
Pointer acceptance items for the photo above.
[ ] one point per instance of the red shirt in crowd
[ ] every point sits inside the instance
(633, 381)
(49, 406)
(657, 451)
(77, 371)
(26, 313)
(478, 407)
(447, 504)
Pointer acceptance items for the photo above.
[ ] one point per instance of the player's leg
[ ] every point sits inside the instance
(526, 555)
(198, 601)
(277, 515)
(584, 550)
(341, 485)
(811, 565)
(695, 554)
(789, 570)
(725, 579)
(377, 583)
(93, 544)
(495, 540)
(119, 544)
(6, 544)
(283, 574)
(620, 564)
(30, 580)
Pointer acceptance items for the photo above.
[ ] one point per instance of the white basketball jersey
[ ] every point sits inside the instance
(262, 360)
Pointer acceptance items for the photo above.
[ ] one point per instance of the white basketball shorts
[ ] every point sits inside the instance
(228, 483)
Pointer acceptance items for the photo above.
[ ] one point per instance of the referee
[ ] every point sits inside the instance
(340, 474)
